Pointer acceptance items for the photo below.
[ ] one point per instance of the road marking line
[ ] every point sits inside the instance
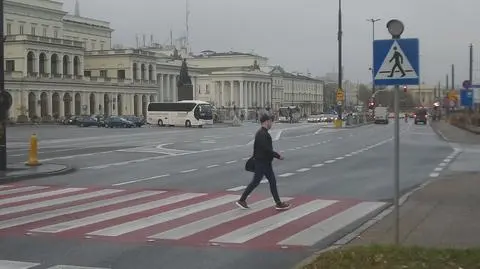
(213, 165)
(339, 158)
(321, 230)
(22, 189)
(447, 160)
(188, 171)
(438, 169)
(348, 155)
(246, 158)
(263, 181)
(318, 165)
(74, 267)
(239, 188)
(258, 228)
(330, 161)
(166, 216)
(434, 174)
(45, 194)
(340, 137)
(303, 170)
(17, 265)
(286, 175)
(230, 162)
(139, 180)
(443, 164)
(124, 211)
(8, 223)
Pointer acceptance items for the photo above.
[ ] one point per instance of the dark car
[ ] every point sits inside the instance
(421, 116)
(118, 122)
(138, 121)
(71, 120)
(87, 122)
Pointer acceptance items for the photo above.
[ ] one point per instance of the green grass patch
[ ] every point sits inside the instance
(396, 257)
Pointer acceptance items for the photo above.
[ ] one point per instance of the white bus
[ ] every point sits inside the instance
(186, 113)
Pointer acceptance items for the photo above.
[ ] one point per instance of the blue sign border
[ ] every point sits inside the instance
(411, 48)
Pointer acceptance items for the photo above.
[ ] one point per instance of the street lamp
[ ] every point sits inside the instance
(373, 21)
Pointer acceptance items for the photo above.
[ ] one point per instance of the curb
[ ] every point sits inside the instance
(66, 170)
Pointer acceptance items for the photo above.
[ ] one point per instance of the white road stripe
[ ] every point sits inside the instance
(438, 169)
(16, 265)
(164, 217)
(22, 189)
(318, 165)
(434, 174)
(330, 161)
(339, 158)
(58, 201)
(251, 231)
(188, 171)
(4, 186)
(213, 165)
(321, 230)
(239, 188)
(38, 195)
(230, 162)
(210, 222)
(139, 180)
(286, 175)
(303, 169)
(74, 267)
(74, 209)
(76, 223)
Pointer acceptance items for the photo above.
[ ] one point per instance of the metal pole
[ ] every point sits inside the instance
(3, 128)
(453, 77)
(471, 65)
(340, 67)
(373, 21)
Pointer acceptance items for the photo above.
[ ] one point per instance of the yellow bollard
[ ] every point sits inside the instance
(338, 123)
(33, 152)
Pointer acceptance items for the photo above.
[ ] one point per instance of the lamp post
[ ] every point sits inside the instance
(373, 21)
(340, 66)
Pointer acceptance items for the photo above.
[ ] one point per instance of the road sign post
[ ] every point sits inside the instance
(6, 99)
(396, 62)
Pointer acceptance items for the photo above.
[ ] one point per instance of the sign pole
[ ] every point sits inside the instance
(395, 27)
(3, 99)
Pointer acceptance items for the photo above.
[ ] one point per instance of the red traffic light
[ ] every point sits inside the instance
(405, 88)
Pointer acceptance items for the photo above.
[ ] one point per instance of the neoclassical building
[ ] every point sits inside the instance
(57, 64)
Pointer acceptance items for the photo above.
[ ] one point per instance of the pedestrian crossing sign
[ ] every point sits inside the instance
(396, 62)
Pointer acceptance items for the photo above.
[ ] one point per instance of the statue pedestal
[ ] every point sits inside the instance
(236, 121)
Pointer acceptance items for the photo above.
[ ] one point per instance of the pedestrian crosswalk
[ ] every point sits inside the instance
(190, 218)
(6, 264)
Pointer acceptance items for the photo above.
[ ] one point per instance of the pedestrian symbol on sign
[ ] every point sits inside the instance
(398, 57)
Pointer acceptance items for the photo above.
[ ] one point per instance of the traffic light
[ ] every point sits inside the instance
(371, 105)
(405, 88)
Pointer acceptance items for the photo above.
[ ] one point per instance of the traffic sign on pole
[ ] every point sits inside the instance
(466, 98)
(340, 95)
(396, 62)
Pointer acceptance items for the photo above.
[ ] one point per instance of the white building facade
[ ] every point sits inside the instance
(57, 65)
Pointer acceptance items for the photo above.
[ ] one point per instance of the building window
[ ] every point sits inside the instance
(102, 46)
(45, 31)
(33, 30)
(9, 28)
(93, 46)
(103, 73)
(121, 74)
(55, 34)
(21, 29)
(87, 74)
(9, 65)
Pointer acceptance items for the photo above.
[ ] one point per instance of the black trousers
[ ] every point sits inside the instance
(262, 169)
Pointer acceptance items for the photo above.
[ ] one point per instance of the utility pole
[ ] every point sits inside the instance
(340, 65)
(470, 77)
(5, 97)
(453, 76)
(373, 21)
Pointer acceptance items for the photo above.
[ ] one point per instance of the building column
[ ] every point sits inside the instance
(241, 93)
(174, 89)
(161, 96)
(232, 93)
(139, 104)
(222, 94)
(48, 67)
(61, 108)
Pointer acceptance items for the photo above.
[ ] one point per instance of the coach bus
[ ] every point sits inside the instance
(186, 113)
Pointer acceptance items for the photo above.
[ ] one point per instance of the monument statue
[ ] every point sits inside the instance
(184, 83)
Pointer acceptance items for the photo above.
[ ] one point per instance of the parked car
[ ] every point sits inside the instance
(138, 121)
(87, 122)
(117, 122)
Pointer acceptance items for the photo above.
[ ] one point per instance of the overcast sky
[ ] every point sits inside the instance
(301, 35)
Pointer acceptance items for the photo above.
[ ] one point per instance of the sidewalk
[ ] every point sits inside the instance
(18, 172)
(454, 134)
(443, 214)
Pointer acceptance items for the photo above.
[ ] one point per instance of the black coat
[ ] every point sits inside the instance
(263, 147)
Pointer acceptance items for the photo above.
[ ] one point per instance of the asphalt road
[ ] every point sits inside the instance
(163, 197)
